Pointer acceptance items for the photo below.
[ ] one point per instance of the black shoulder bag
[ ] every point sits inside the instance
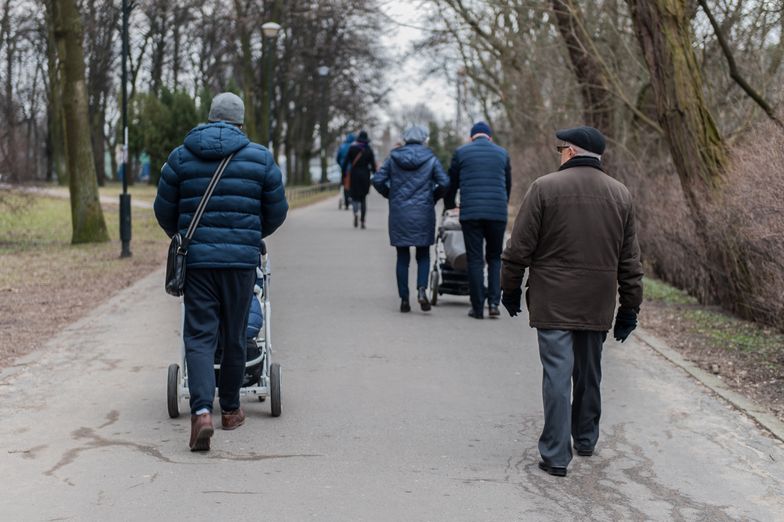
(178, 248)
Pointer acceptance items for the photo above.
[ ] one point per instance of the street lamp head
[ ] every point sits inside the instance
(270, 29)
(323, 70)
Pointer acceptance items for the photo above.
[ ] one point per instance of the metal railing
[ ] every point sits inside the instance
(296, 194)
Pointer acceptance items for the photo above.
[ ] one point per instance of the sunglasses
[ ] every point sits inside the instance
(561, 148)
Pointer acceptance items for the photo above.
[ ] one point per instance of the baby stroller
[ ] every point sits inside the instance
(450, 268)
(262, 377)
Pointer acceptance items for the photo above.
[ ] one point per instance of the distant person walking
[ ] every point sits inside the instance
(340, 158)
(412, 179)
(576, 232)
(481, 171)
(249, 203)
(361, 164)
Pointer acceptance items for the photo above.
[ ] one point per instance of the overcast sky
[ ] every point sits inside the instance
(406, 75)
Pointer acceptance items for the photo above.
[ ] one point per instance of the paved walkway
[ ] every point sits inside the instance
(62, 193)
(386, 416)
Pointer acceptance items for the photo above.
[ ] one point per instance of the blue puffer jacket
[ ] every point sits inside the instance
(340, 157)
(249, 201)
(482, 172)
(412, 179)
(255, 319)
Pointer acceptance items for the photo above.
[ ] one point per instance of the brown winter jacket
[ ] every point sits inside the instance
(576, 232)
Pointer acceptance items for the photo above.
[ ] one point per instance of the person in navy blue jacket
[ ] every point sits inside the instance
(412, 179)
(249, 203)
(340, 158)
(481, 171)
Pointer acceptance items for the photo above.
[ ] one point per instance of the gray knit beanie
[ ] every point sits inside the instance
(415, 134)
(227, 107)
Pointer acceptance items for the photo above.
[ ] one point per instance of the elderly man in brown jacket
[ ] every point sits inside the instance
(575, 231)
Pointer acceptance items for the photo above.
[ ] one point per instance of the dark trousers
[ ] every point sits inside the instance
(491, 234)
(571, 365)
(346, 192)
(423, 268)
(216, 309)
(360, 203)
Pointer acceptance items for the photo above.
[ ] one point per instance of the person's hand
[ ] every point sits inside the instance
(625, 323)
(511, 301)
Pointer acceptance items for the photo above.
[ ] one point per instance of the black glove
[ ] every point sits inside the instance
(625, 322)
(511, 301)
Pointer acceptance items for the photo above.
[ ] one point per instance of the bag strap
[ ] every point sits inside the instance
(358, 157)
(204, 199)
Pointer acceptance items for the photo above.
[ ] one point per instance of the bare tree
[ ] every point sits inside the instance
(86, 215)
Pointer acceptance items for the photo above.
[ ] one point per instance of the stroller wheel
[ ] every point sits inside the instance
(172, 398)
(434, 287)
(275, 403)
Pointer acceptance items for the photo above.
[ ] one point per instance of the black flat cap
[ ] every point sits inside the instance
(584, 137)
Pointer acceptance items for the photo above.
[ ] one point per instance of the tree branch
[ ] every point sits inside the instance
(734, 73)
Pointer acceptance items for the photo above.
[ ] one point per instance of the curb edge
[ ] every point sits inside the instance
(758, 413)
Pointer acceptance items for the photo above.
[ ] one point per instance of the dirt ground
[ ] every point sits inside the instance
(60, 289)
(47, 284)
(755, 370)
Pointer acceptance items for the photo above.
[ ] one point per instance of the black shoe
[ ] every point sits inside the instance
(476, 315)
(363, 225)
(424, 302)
(584, 452)
(404, 306)
(493, 311)
(356, 221)
(552, 470)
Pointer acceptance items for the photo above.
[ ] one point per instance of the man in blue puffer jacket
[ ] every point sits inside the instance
(249, 203)
(481, 171)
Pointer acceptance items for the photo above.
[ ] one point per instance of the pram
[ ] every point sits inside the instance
(450, 269)
(262, 377)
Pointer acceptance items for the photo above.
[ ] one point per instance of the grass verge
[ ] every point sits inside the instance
(746, 355)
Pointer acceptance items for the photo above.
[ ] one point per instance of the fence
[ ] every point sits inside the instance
(296, 195)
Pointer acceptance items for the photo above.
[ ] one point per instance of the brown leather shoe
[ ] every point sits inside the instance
(201, 431)
(232, 419)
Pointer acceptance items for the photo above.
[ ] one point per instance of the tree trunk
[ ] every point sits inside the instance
(56, 162)
(86, 214)
(97, 120)
(246, 60)
(596, 96)
(9, 109)
(700, 155)
(664, 30)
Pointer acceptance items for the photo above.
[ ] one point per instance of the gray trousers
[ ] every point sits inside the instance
(572, 365)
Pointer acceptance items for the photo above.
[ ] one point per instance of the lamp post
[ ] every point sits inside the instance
(269, 32)
(323, 72)
(125, 198)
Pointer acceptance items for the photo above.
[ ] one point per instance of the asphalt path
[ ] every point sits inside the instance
(386, 416)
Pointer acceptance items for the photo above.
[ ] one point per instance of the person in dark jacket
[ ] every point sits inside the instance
(340, 158)
(249, 204)
(361, 165)
(576, 232)
(412, 179)
(481, 171)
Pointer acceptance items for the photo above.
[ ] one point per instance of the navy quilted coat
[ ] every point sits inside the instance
(482, 173)
(411, 178)
(249, 201)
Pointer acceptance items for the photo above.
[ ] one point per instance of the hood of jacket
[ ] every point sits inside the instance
(350, 138)
(215, 140)
(411, 156)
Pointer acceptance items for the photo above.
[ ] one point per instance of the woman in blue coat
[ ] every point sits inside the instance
(412, 179)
